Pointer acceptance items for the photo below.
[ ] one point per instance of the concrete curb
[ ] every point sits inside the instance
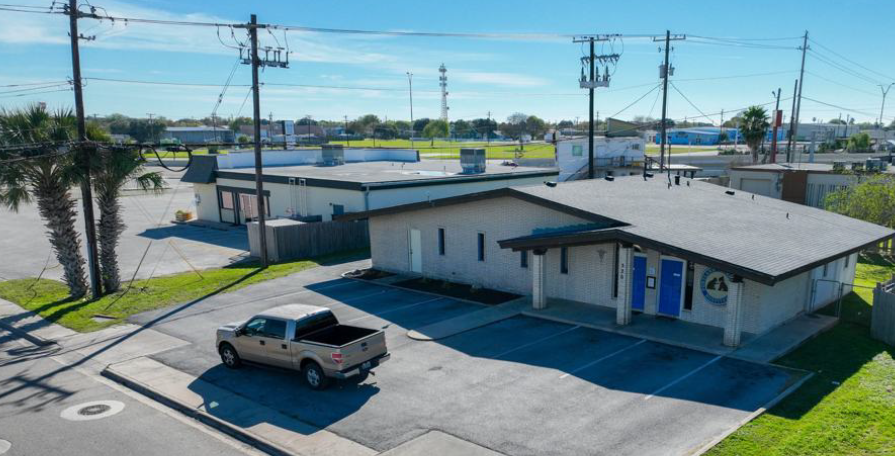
(205, 418)
(770, 404)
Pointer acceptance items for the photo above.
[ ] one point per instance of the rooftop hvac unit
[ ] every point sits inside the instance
(872, 164)
(839, 166)
(857, 166)
(883, 165)
(333, 155)
(472, 161)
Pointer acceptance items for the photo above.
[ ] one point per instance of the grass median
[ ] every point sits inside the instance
(49, 298)
(848, 407)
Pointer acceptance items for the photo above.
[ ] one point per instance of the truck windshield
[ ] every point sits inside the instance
(314, 323)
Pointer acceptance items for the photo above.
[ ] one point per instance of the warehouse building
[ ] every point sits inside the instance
(675, 248)
(805, 183)
(314, 185)
(199, 135)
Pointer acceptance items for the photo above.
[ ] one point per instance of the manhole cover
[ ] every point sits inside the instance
(95, 410)
(4, 446)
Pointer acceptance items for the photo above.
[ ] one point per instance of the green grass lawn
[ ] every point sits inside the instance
(848, 407)
(440, 149)
(49, 298)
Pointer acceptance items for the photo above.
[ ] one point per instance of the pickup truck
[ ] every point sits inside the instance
(304, 338)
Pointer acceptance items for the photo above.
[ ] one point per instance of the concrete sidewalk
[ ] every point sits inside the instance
(469, 321)
(246, 420)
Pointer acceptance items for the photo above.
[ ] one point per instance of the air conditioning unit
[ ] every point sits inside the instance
(839, 166)
(872, 164)
(333, 155)
(472, 161)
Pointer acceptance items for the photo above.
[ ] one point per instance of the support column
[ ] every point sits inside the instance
(625, 273)
(734, 326)
(538, 279)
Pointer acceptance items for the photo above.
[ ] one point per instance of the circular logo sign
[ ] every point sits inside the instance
(714, 285)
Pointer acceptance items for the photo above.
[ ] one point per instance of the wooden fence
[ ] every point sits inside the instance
(290, 239)
(882, 326)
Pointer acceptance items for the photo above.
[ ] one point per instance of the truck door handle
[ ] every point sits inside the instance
(283, 346)
(262, 342)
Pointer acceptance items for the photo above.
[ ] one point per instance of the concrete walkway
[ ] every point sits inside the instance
(785, 338)
(469, 321)
(247, 420)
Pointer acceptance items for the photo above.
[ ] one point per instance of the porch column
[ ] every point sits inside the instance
(538, 279)
(734, 325)
(623, 301)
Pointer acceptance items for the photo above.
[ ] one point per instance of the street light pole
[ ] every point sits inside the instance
(410, 89)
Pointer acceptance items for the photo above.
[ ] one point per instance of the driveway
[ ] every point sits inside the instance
(519, 386)
(168, 247)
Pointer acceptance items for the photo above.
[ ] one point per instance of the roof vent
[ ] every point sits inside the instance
(472, 161)
(332, 155)
(730, 192)
(550, 184)
(677, 180)
(609, 178)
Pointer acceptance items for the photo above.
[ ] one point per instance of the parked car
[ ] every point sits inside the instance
(305, 338)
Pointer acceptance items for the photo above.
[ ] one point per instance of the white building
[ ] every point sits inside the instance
(314, 185)
(678, 248)
(612, 156)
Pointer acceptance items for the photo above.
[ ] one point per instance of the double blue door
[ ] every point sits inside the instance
(638, 284)
(670, 287)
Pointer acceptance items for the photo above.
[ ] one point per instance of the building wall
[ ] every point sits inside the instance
(752, 181)
(499, 218)
(207, 203)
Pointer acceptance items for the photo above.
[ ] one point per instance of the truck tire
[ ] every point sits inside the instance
(314, 376)
(229, 356)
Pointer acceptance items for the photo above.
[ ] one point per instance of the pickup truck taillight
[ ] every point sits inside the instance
(337, 358)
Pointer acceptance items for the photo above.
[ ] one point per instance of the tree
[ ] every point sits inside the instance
(484, 127)
(564, 124)
(461, 128)
(858, 143)
(144, 130)
(386, 131)
(535, 127)
(420, 124)
(111, 169)
(754, 127)
(240, 121)
(436, 129)
(872, 200)
(46, 179)
(364, 125)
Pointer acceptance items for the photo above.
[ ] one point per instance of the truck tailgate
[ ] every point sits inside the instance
(362, 350)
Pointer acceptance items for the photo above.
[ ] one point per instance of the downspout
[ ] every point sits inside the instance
(366, 198)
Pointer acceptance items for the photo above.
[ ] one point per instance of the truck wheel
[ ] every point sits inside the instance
(229, 357)
(314, 376)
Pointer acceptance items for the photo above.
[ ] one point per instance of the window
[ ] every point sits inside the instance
(826, 268)
(314, 323)
(226, 200)
(275, 329)
(481, 239)
(615, 275)
(338, 209)
(845, 263)
(441, 241)
(688, 294)
(523, 259)
(564, 260)
(255, 327)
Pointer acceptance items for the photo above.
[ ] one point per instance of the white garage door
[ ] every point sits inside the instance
(757, 186)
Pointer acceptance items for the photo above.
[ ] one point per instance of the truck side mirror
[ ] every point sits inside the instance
(238, 332)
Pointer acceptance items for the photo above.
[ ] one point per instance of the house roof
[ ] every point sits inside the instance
(819, 168)
(760, 238)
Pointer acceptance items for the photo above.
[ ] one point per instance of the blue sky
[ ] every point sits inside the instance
(534, 76)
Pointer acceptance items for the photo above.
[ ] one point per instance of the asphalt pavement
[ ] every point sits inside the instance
(73, 412)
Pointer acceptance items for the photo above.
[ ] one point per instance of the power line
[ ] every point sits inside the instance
(851, 61)
(841, 84)
(691, 103)
(636, 101)
(874, 115)
(843, 68)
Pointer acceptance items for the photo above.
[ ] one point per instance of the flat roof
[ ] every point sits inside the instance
(385, 174)
(810, 167)
(760, 238)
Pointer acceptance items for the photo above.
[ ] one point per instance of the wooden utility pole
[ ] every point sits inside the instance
(259, 168)
(665, 72)
(795, 125)
(592, 82)
(84, 154)
(778, 115)
(792, 119)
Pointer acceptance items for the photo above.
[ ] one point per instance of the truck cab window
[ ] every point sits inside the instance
(275, 329)
(255, 327)
(314, 323)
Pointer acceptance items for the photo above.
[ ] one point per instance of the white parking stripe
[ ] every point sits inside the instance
(601, 359)
(707, 364)
(537, 341)
(391, 310)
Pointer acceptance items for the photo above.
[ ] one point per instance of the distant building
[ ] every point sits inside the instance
(199, 135)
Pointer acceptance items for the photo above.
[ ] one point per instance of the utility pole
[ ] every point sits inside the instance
(590, 83)
(488, 131)
(792, 119)
(152, 128)
(86, 191)
(348, 138)
(259, 168)
(795, 126)
(778, 115)
(882, 108)
(410, 90)
(665, 71)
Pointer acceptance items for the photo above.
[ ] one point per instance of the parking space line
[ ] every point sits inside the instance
(537, 341)
(602, 359)
(684, 377)
(392, 310)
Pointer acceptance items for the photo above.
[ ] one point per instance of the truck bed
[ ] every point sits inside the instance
(338, 335)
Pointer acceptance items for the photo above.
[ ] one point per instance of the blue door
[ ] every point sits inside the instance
(670, 285)
(638, 284)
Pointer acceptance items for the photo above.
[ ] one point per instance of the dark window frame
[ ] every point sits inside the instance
(225, 196)
(441, 246)
(480, 238)
(564, 260)
(615, 262)
(689, 285)
(523, 259)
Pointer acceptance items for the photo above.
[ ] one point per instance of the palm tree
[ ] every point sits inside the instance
(754, 125)
(111, 169)
(46, 177)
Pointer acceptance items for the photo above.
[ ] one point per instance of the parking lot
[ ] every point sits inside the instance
(518, 386)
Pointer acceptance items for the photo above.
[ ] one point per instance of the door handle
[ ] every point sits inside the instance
(283, 346)
(262, 342)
